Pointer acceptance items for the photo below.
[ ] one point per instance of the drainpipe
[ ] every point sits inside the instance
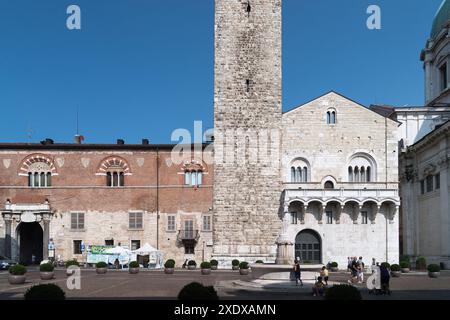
(157, 198)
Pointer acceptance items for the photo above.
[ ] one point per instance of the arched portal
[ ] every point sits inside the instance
(308, 247)
(30, 240)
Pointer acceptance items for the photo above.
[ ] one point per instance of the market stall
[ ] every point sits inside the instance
(149, 257)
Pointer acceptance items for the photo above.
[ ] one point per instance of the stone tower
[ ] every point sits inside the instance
(247, 116)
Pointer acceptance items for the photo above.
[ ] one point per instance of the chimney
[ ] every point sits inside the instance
(120, 142)
(145, 142)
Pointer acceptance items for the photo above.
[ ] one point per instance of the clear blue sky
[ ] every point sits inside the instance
(142, 68)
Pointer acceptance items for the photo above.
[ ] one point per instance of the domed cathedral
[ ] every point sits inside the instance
(425, 157)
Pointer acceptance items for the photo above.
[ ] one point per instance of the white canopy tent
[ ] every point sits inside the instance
(156, 257)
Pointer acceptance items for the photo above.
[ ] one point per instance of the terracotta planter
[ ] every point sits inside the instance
(396, 274)
(214, 267)
(169, 270)
(17, 279)
(134, 270)
(433, 274)
(405, 270)
(235, 267)
(206, 271)
(192, 267)
(244, 272)
(47, 275)
(101, 270)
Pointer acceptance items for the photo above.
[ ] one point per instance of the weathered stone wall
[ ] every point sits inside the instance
(248, 98)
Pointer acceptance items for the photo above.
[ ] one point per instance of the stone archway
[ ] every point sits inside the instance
(308, 247)
(30, 238)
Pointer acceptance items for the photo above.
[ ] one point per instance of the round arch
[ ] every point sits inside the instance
(308, 247)
(30, 239)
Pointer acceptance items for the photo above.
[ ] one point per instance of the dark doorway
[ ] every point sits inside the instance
(308, 247)
(30, 243)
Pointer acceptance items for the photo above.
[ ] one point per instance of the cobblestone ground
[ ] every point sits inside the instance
(157, 285)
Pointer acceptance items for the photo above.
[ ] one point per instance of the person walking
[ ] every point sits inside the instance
(297, 272)
(360, 266)
(324, 275)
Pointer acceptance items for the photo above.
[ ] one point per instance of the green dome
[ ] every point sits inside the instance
(441, 19)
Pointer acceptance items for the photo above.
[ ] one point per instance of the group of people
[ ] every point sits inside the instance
(321, 283)
(356, 267)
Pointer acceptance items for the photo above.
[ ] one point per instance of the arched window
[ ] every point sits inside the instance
(114, 169)
(299, 175)
(350, 174)
(362, 169)
(39, 175)
(299, 171)
(368, 175)
(305, 174)
(193, 178)
(329, 185)
(363, 174)
(356, 171)
(331, 116)
(292, 174)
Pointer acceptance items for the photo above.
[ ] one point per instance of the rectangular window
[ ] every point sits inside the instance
(171, 223)
(135, 220)
(135, 244)
(77, 247)
(207, 225)
(443, 71)
(294, 216)
(429, 182)
(77, 221)
(109, 243)
(422, 187)
(364, 217)
(329, 217)
(437, 179)
(189, 248)
(189, 230)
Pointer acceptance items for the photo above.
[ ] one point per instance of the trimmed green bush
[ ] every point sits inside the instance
(342, 292)
(405, 258)
(243, 265)
(192, 263)
(214, 262)
(170, 264)
(17, 270)
(405, 265)
(334, 265)
(101, 265)
(47, 291)
(434, 268)
(46, 267)
(205, 265)
(235, 263)
(259, 262)
(197, 291)
(386, 265)
(133, 264)
(395, 267)
(421, 263)
(72, 263)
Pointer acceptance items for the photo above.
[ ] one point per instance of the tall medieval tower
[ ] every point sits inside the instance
(247, 115)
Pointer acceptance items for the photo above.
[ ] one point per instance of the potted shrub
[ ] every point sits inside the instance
(434, 270)
(421, 263)
(17, 274)
(101, 267)
(206, 268)
(47, 291)
(169, 266)
(243, 268)
(405, 266)
(71, 263)
(197, 291)
(214, 264)
(235, 264)
(192, 265)
(342, 292)
(334, 266)
(133, 267)
(259, 262)
(396, 271)
(46, 271)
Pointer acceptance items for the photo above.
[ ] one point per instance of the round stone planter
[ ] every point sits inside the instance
(405, 270)
(134, 270)
(244, 272)
(192, 267)
(334, 269)
(17, 279)
(169, 270)
(206, 271)
(235, 267)
(433, 274)
(396, 274)
(101, 270)
(47, 275)
(214, 267)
